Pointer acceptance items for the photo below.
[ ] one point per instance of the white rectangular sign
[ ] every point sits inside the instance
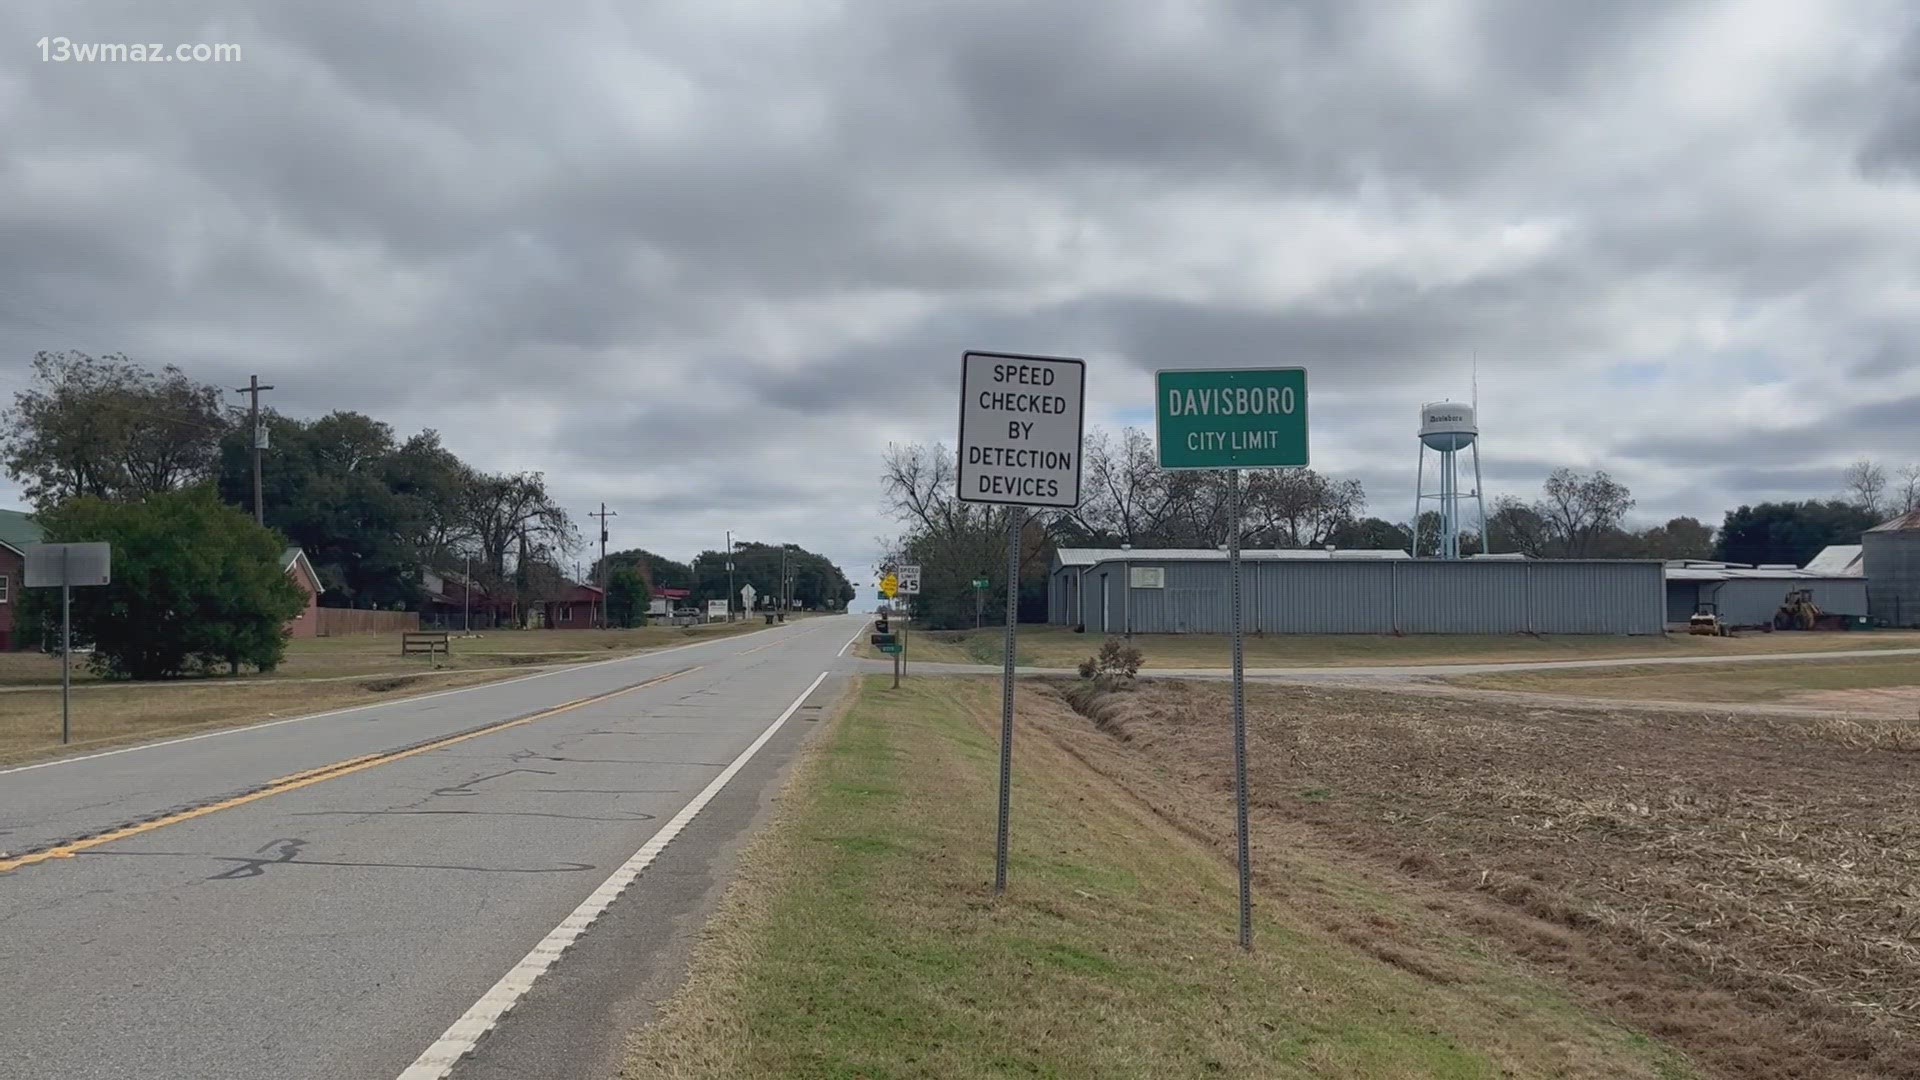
(53, 565)
(1148, 577)
(1021, 421)
(909, 581)
(716, 609)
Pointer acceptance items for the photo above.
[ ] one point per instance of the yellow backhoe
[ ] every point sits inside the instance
(1797, 612)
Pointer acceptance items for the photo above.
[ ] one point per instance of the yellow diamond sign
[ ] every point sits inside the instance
(889, 585)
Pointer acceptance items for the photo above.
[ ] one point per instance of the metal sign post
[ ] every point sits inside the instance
(979, 600)
(1232, 419)
(1239, 710)
(67, 565)
(909, 586)
(1022, 422)
(1016, 518)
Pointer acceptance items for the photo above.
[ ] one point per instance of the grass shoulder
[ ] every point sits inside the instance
(861, 939)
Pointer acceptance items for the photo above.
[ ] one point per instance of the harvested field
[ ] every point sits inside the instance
(1746, 888)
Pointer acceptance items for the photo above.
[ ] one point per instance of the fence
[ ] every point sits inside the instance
(338, 622)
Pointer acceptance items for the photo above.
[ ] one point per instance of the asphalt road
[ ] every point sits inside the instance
(338, 896)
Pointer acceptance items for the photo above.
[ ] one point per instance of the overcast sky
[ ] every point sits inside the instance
(704, 259)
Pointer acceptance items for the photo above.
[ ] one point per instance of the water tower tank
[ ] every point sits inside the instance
(1447, 426)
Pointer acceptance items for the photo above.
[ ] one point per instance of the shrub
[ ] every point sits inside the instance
(1116, 661)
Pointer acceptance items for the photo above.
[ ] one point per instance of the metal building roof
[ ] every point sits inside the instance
(1838, 560)
(1907, 522)
(1090, 556)
(18, 530)
(1730, 573)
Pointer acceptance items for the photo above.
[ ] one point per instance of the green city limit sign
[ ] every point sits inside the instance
(1231, 418)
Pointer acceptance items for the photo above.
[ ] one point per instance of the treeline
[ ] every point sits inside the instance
(1127, 499)
(369, 508)
(814, 582)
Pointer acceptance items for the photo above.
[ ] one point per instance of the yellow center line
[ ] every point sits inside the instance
(310, 777)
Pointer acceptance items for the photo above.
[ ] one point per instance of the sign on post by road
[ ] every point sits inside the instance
(1022, 419)
(1231, 418)
(981, 583)
(65, 566)
(910, 581)
(889, 586)
(747, 594)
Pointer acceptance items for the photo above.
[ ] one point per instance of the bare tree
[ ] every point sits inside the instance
(1520, 527)
(513, 513)
(1126, 495)
(1578, 508)
(1299, 508)
(1906, 497)
(1866, 484)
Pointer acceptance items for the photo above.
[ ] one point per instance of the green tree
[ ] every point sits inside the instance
(1372, 533)
(108, 428)
(195, 584)
(660, 571)
(627, 598)
(1790, 532)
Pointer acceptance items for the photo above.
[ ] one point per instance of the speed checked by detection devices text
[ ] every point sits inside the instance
(1020, 428)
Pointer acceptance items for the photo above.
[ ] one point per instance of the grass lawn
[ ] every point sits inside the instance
(319, 674)
(861, 939)
(1059, 647)
(379, 654)
(1811, 681)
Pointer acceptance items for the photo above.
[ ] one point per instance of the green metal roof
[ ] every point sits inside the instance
(18, 529)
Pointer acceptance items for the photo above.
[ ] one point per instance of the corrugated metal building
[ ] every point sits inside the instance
(1891, 553)
(1351, 592)
(1749, 595)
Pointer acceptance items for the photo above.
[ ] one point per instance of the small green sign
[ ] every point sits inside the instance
(1231, 418)
(891, 650)
(980, 583)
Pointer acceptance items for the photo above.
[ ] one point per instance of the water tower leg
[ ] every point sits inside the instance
(1419, 487)
(1480, 496)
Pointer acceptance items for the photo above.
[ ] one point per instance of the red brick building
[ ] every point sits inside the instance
(17, 530)
(293, 563)
(578, 608)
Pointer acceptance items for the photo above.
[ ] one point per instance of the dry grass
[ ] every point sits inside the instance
(30, 719)
(1838, 682)
(1059, 647)
(1747, 887)
(319, 675)
(860, 938)
(372, 654)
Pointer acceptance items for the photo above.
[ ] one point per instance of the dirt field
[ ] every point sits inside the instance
(1888, 684)
(1747, 889)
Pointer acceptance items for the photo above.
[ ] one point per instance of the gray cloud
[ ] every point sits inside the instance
(705, 260)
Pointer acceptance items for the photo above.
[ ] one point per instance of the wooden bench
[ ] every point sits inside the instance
(431, 643)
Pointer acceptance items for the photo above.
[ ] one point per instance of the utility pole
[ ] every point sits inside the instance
(466, 597)
(606, 578)
(729, 575)
(253, 389)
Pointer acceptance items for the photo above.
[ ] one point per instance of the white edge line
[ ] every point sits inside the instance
(460, 1039)
(854, 638)
(379, 704)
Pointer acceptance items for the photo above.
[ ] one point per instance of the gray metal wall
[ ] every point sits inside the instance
(1355, 597)
(1753, 602)
(1892, 562)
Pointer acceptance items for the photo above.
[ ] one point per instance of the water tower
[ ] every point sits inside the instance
(1447, 427)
